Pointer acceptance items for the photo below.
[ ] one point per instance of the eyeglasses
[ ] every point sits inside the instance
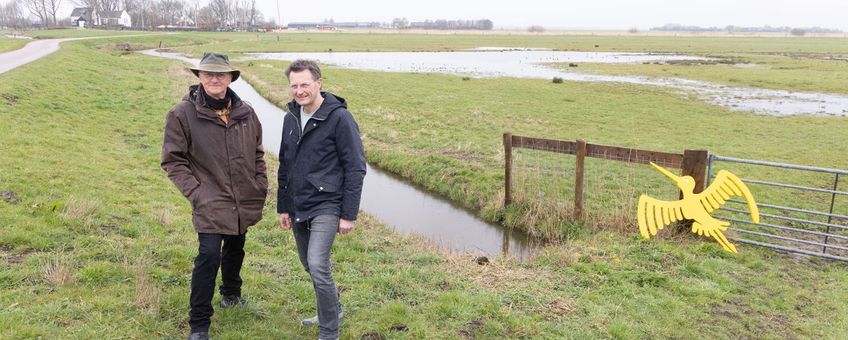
(222, 75)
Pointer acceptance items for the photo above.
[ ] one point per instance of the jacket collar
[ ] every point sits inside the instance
(330, 104)
(238, 110)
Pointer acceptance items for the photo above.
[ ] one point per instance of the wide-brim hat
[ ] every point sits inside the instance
(217, 63)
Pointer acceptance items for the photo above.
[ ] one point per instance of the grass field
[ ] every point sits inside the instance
(445, 132)
(11, 44)
(96, 242)
(795, 72)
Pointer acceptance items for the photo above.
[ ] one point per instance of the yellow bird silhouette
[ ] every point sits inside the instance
(654, 214)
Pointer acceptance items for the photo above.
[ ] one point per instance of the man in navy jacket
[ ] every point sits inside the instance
(322, 166)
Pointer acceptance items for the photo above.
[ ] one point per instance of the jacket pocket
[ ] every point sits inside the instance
(196, 196)
(323, 185)
(258, 187)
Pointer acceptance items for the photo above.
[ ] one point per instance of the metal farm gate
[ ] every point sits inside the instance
(802, 219)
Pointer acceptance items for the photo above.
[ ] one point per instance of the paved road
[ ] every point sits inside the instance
(40, 48)
(30, 52)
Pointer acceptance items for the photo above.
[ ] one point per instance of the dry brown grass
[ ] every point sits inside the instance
(166, 218)
(500, 273)
(504, 275)
(146, 291)
(179, 88)
(277, 92)
(57, 272)
(81, 209)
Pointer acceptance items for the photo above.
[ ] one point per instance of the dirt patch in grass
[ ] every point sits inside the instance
(562, 307)
(107, 228)
(470, 328)
(498, 274)
(9, 98)
(16, 258)
(9, 197)
(399, 328)
(372, 336)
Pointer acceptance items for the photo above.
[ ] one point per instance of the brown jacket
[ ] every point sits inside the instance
(218, 167)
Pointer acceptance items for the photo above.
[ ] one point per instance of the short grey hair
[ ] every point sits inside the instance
(302, 65)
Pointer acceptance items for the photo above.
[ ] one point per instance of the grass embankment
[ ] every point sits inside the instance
(11, 44)
(77, 33)
(95, 241)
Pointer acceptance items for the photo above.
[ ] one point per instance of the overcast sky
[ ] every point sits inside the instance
(592, 14)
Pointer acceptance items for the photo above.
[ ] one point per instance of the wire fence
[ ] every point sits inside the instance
(550, 190)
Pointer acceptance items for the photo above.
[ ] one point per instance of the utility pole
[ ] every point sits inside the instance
(279, 19)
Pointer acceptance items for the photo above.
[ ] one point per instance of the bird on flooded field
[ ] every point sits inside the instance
(654, 214)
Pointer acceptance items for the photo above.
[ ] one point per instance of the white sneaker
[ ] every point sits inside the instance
(314, 320)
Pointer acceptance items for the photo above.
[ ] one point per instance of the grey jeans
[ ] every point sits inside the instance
(314, 239)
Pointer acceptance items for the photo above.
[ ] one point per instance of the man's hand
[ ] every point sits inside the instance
(285, 221)
(345, 226)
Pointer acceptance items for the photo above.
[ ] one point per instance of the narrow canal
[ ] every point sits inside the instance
(400, 205)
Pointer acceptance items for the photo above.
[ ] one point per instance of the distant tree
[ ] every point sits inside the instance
(485, 24)
(51, 7)
(221, 11)
(400, 23)
(633, 30)
(101, 5)
(168, 12)
(38, 8)
(799, 32)
(12, 15)
(253, 16)
(206, 19)
(535, 29)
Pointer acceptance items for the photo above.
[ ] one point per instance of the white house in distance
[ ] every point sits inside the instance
(81, 17)
(115, 18)
(87, 17)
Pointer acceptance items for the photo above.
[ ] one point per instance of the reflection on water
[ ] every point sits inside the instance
(531, 63)
(402, 206)
(412, 210)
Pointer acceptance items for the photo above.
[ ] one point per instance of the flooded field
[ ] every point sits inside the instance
(489, 62)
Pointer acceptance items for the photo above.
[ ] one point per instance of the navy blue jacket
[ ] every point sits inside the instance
(321, 169)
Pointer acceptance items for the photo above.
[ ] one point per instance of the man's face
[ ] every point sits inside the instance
(215, 84)
(304, 89)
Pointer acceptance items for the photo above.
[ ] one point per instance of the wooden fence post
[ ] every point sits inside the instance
(578, 179)
(695, 165)
(507, 141)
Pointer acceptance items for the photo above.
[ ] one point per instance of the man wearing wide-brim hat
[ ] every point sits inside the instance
(212, 151)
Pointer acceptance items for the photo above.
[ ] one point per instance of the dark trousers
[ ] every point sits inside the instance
(210, 256)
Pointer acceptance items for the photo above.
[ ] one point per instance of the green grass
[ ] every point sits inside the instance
(296, 41)
(11, 44)
(77, 33)
(808, 72)
(445, 133)
(96, 242)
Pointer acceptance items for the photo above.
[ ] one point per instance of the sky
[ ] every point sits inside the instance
(596, 14)
(565, 14)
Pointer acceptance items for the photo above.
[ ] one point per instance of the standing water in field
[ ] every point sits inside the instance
(531, 63)
(396, 203)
